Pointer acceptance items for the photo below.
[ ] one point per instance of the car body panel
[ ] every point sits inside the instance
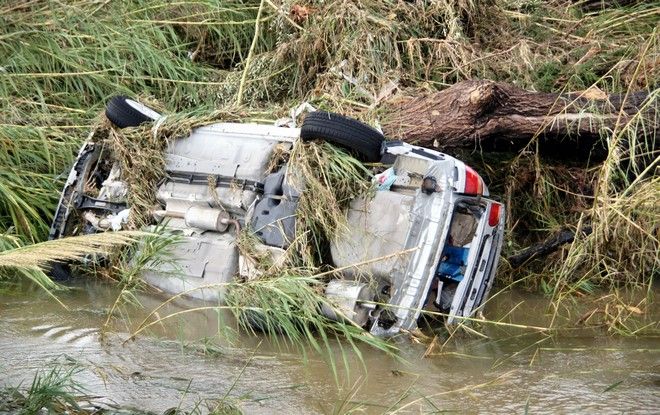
(228, 149)
(377, 228)
(427, 226)
(391, 250)
(208, 260)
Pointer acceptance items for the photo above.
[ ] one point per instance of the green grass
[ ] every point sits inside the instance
(54, 390)
(127, 265)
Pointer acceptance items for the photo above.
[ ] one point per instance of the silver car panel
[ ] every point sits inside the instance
(377, 228)
(199, 259)
(380, 228)
(426, 236)
(228, 149)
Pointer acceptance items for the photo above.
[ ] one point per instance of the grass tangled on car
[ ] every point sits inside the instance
(58, 80)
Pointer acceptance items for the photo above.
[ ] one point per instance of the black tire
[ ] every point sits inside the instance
(59, 271)
(256, 321)
(259, 321)
(122, 114)
(345, 132)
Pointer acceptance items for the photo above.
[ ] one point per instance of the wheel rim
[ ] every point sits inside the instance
(143, 109)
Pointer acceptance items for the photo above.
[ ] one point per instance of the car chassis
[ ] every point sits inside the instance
(428, 239)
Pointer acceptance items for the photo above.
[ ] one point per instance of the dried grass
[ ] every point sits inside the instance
(330, 178)
(42, 254)
(287, 295)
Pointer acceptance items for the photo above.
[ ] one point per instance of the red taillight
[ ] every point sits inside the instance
(494, 215)
(473, 183)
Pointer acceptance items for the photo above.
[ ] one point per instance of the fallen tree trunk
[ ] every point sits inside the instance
(499, 116)
(542, 249)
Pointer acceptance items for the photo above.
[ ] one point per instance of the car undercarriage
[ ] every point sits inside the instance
(426, 238)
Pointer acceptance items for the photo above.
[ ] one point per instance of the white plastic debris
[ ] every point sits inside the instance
(116, 221)
(291, 120)
(113, 188)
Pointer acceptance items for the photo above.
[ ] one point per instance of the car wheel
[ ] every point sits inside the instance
(259, 321)
(254, 320)
(345, 132)
(59, 271)
(125, 112)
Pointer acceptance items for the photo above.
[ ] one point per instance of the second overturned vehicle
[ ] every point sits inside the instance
(428, 238)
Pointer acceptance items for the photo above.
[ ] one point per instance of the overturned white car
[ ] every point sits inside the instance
(429, 238)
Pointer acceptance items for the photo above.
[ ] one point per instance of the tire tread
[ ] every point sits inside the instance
(343, 131)
(123, 115)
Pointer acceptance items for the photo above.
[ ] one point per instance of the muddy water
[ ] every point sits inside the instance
(511, 371)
